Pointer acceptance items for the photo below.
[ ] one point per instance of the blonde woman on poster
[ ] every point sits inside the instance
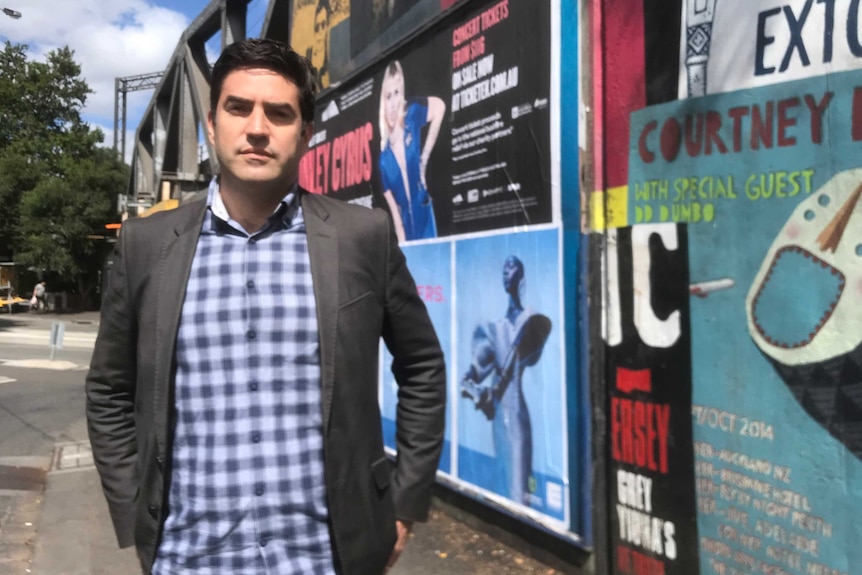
(404, 157)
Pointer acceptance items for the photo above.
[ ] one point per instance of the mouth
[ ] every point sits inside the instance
(256, 154)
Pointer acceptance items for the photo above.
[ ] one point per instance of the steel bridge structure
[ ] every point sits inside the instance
(168, 160)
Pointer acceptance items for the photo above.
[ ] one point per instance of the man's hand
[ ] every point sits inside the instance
(403, 528)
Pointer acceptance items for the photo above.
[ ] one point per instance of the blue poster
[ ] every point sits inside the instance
(769, 182)
(431, 266)
(510, 387)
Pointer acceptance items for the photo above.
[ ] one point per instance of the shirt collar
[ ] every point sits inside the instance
(288, 210)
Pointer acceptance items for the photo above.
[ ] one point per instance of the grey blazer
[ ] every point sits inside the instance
(363, 291)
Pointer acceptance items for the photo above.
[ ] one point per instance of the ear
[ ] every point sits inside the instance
(211, 127)
(306, 134)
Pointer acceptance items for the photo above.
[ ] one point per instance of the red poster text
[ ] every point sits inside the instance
(468, 52)
(639, 433)
(495, 14)
(767, 125)
(631, 562)
(478, 24)
(431, 294)
(344, 162)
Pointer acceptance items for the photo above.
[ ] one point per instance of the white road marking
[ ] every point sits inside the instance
(54, 364)
(42, 338)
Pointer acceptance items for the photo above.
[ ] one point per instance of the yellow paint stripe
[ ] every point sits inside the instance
(162, 206)
(609, 208)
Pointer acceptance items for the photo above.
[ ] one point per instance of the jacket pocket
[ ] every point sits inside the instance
(356, 302)
(381, 471)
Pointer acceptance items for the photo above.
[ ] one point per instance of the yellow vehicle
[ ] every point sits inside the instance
(9, 302)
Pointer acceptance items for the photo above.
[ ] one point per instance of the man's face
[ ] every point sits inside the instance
(321, 39)
(257, 129)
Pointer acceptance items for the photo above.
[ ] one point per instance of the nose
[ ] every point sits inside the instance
(257, 125)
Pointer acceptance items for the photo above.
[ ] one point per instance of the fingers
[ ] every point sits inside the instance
(403, 529)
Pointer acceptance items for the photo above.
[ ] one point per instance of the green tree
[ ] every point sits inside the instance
(62, 218)
(57, 186)
(41, 103)
(17, 173)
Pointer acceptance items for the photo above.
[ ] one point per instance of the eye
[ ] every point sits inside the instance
(280, 114)
(236, 108)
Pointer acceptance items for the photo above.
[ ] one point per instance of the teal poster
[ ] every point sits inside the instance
(768, 182)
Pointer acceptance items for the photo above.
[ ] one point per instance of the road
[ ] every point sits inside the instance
(42, 407)
(41, 401)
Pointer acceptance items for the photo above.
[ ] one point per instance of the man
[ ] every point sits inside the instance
(318, 53)
(232, 395)
(40, 294)
(504, 349)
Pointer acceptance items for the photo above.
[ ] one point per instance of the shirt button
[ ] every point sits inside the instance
(258, 490)
(256, 437)
(252, 241)
(253, 386)
(250, 284)
(263, 542)
(250, 334)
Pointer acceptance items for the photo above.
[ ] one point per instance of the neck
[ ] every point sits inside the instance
(514, 309)
(395, 132)
(251, 203)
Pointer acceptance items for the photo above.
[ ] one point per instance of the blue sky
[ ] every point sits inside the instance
(112, 38)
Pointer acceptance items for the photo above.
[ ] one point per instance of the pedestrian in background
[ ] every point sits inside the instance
(40, 297)
(247, 438)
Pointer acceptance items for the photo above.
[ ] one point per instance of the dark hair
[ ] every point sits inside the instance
(270, 55)
(323, 5)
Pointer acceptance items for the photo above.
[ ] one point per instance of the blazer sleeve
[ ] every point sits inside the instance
(420, 371)
(110, 389)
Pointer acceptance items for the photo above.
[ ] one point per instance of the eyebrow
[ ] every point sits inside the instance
(281, 106)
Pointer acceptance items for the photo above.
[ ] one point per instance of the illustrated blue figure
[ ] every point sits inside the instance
(502, 350)
(403, 157)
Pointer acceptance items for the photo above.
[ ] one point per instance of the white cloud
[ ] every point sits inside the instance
(110, 38)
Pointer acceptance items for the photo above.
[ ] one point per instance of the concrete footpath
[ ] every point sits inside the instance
(73, 536)
(54, 518)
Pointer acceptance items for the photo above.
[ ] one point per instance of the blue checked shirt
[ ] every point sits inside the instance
(247, 492)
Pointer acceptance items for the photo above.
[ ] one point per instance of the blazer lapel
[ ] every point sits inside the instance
(323, 254)
(175, 263)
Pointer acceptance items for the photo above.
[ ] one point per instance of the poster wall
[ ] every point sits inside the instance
(734, 44)
(751, 149)
(340, 36)
(431, 266)
(511, 391)
(769, 181)
(648, 369)
(452, 133)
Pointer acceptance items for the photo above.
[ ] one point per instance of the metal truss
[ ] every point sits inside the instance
(123, 86)
(166, 160)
